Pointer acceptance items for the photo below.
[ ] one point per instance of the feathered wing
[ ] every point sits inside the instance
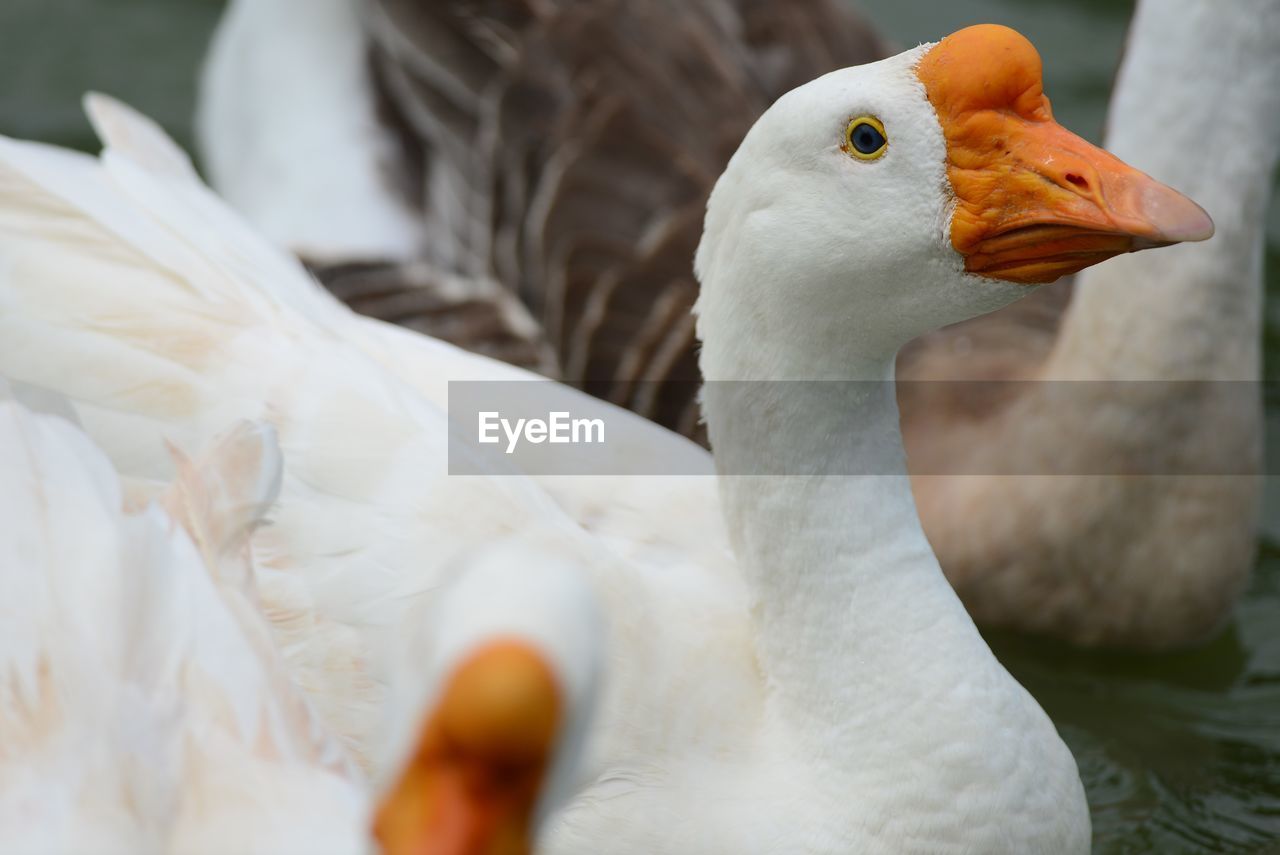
(475, 312)
(224, 494)
(792, 43)
(640, 510)
(158, 319)
(162, 318)
(135, 294)
(423, 364)
(219, 499)
(129, 688)
(73, 623)
(569, 149)
(554, 158)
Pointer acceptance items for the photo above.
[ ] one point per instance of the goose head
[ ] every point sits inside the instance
(921, 190)
(492, 739)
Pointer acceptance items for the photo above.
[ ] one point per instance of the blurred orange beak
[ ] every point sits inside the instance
(1034, 201)
(474, 779)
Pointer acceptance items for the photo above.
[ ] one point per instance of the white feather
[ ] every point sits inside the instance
(137, 712)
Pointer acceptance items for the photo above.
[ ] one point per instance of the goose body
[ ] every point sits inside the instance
(809, 686)
(1102, 559)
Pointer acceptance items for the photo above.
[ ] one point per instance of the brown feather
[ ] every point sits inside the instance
(569, 148)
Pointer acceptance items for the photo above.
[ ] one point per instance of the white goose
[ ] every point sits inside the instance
(201, 742)
(1085, 553)
(841, 698)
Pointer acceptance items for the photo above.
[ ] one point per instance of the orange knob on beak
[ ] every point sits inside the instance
(473, 783)
(1034, 201)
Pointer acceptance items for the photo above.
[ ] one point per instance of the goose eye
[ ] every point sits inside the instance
(865, 139)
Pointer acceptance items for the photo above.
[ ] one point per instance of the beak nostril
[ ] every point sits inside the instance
(1078, 180)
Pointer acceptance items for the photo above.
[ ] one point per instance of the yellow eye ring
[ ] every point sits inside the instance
(865, 139)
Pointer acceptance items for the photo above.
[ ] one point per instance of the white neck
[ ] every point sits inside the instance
(1195, 107)
(813, 274)
(874, 671)
(848, 600)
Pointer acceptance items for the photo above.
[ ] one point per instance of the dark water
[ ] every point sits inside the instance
(1180, 753)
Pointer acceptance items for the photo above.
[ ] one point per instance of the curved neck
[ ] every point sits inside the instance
(1208, 129)
(847, 599)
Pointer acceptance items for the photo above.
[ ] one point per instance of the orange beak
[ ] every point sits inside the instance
(1035, 201)
(474, 779)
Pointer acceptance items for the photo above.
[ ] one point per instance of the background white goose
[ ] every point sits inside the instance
(886, 725)
(1084, 551)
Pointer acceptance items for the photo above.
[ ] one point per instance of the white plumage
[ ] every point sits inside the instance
(146, 705)
(792, 683)
(144, 708)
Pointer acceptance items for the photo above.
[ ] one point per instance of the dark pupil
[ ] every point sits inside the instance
(867, 139)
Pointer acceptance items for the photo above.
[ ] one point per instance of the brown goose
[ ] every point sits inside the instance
(565, 149)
